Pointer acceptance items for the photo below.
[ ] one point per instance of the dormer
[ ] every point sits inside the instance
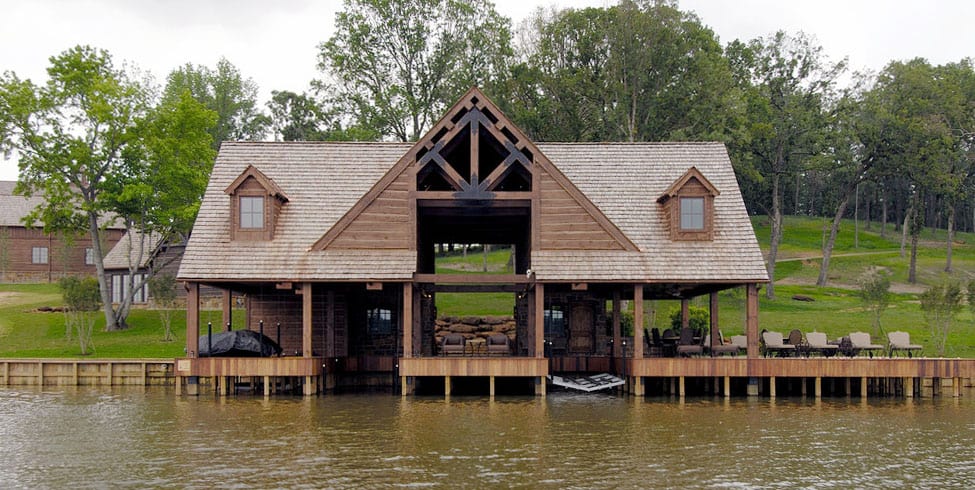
(689, 207)
(255, 203)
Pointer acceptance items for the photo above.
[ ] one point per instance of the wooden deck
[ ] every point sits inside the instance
(249, 366)
(839, 367)
(474, 366)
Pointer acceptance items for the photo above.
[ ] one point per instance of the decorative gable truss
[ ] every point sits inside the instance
(474, 154)
(255, 204)
(688, 206)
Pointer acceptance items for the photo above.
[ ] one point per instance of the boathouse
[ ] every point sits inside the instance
(332, 244)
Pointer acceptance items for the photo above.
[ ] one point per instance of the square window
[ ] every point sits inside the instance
(251, 212)
(554, 322)
(38, 255)
(380, 321)
(692, 213)
(89, 256)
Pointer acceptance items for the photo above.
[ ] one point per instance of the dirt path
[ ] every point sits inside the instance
(855, 254)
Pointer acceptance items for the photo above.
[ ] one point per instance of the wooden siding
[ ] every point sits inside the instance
(474, 366)
(565, 224)
(803, 367)
(63, 258)
(383, 224)
(249, 366)
(284, 306)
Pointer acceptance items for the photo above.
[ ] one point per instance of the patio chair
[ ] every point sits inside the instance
(795, 340)
(686, 346)
(723, 348)
(861, 342)
(774, 344)
(655, 346)
(497, 344)
(452, 344)
(741, 342)
(901, 341)
(816, 342)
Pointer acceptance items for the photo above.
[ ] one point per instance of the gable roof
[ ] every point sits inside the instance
(118, 256)
(325, 181)
(13, 207)
(268, 184)
(692, 173)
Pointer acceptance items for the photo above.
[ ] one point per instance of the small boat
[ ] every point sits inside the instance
(238, 343)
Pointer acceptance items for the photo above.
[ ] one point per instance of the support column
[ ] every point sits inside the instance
(908, 387)
(491, 386)
(819, 387)
(617, 335)
(713, 307)
(407, 319)
(267, 386)
(638, 321)
(446, 386)
(751, 319)
(863, 387)
(306, 302)
(685, 313)
(192, 333)
(727, 386)
(226, 304)
(771, 387)
(682, 389)
(539, 323)
(956, 387)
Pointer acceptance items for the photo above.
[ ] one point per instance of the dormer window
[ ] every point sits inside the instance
(692, 214)
(252, 212)
(255, 202)
(688, 205)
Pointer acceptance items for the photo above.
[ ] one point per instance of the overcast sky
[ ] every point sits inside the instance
(274, 42)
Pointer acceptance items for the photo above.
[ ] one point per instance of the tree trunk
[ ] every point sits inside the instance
(776, 237)
(96, 251)
(828, 248)
(912, 271)
(907, 218)
(951, 236)
(883, 218)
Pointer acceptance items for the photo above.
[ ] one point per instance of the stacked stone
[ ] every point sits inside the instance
(472, 327)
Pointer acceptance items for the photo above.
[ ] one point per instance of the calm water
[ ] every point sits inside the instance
(83, 438)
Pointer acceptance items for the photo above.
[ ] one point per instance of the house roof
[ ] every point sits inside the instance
(118, 256)
(323, 181)
(13, 207)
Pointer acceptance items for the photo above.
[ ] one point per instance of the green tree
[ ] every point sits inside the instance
(940, 303)
(162, 292)
(71, 134)
(397, 64)
(92, 144)
(875, 293)
(225, 91)
(82, 300)
(787, 84)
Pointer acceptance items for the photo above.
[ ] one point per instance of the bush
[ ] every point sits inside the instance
(700, 319)
(82, 299)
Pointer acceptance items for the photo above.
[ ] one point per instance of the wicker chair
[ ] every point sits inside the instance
(498, 345)
(452, 344)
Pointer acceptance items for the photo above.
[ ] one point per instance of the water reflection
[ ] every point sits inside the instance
(91, 437)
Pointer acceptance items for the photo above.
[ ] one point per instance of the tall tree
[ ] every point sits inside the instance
(787, 82)
(225, 91)
(397, 64)
(84, 137)
(296, 117)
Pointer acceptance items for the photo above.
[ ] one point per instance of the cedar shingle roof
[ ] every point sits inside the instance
(13, 207)
(324, 180)
(118, 256)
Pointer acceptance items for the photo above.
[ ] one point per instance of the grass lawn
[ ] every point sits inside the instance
(836, 311)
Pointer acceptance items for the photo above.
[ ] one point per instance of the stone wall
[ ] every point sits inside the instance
(474, 328)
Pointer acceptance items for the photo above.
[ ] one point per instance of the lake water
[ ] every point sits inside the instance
(125, 437)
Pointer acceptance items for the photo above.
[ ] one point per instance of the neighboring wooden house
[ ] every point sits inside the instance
(145, 253)
(30, 255)
(335, 243)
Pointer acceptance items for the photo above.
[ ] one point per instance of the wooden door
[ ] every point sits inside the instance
(580, 330)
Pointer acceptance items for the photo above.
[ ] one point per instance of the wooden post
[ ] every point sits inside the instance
(819, 387)
(306, 325)
(179, 385)
(109, 373)
(685, 313)
(713, 307)
(863, 387)
(40, 373)
(446, 386)
(407, 319)
(682, 388)
(908, 387)
(540, 386)
(491, 386)
(192, 319)
(751, 319)
(267, 386)
(226, 304)
(75, 375)
(727, 386)
(637, 322)
(404, 386)
(617, 335)
(956, 387)
(539, 344)
(771, 387)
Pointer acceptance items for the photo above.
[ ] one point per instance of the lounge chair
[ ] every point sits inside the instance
(655, 346)
(722, 348)
(741, 342)
(452, 343)
(861, 342)
(686, 345)
(497, 344)
(901, 341)
(774, 344)
(816, 342)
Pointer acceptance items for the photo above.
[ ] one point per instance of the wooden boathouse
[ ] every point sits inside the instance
(332, 247)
